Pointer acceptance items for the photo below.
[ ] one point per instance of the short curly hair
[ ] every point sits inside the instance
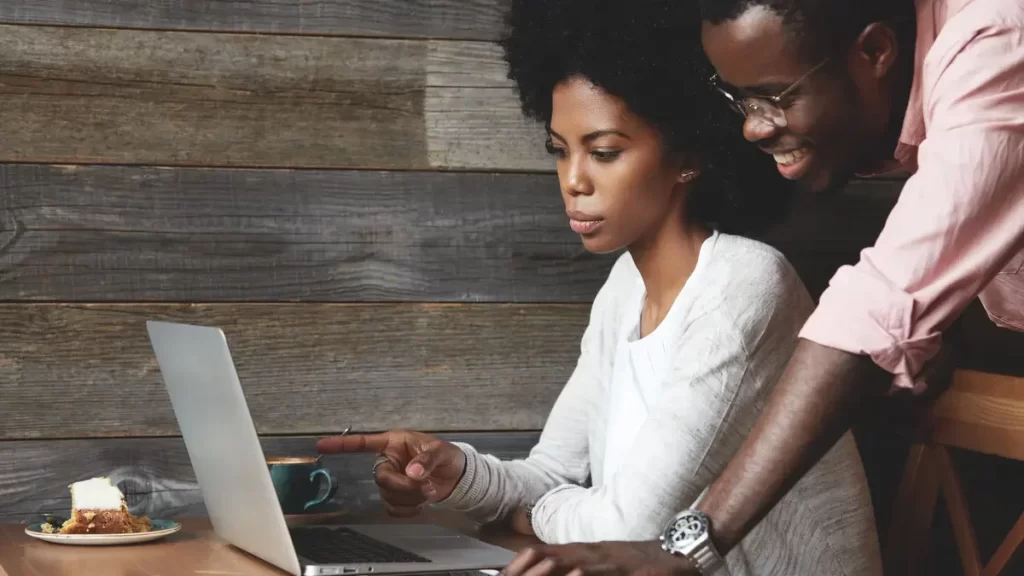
(828, 26)
(648, 54)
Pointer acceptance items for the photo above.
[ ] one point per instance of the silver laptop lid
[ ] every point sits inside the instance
(221, 440)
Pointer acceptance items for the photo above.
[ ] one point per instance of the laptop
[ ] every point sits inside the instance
(229, 464)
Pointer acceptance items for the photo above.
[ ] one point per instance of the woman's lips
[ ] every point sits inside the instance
(584, 226)
(582, 223)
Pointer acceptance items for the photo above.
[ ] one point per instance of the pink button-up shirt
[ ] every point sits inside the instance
(957, 231)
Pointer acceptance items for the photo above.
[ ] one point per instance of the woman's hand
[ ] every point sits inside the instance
(415, 469)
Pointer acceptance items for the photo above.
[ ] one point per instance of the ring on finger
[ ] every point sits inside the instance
(382, 459)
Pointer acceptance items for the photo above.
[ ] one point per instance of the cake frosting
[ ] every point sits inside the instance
(99, 507)
(96, 494)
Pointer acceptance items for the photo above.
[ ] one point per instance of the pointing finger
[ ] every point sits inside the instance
(353, 443)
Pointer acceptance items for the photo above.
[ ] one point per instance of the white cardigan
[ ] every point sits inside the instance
(735, 324)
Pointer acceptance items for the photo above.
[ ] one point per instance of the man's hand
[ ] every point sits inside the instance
(604, 559)
(420, 469)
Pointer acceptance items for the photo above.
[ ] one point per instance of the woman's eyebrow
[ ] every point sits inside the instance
(590, 137)
(555, 134)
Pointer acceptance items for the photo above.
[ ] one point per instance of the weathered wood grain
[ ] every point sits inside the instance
(482, 128)
(466, 65)
(96, 233)
(156, 476)
(461, 19)
(73, 95)
(186, 98)
(74, 371)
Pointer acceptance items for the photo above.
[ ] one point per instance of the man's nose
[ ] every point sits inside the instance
(757, 129)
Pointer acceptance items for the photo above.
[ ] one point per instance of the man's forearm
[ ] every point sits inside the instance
(812, 406)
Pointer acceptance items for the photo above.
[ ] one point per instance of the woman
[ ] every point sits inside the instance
(687, 335)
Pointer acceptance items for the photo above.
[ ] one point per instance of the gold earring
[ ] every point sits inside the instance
(689, 175)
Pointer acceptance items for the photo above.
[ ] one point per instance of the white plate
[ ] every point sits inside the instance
(161, 529)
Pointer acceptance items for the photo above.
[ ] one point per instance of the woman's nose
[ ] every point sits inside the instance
(576, 181)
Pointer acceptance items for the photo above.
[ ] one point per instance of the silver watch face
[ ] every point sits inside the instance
(686, 529)
(688, 535)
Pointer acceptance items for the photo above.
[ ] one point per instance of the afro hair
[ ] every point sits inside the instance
(648, 54)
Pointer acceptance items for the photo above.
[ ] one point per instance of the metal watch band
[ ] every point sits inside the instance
(702, 552)
(707, 559)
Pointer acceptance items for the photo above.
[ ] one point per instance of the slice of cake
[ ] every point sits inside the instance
(98, 507)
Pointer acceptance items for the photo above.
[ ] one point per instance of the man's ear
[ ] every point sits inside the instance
(876, 49)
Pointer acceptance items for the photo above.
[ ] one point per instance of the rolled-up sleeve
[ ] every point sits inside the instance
(958, 221)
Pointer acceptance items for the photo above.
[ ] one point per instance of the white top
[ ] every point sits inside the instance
(608, 468)
(640, 366)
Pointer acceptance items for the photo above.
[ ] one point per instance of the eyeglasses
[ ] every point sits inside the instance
(768, 109)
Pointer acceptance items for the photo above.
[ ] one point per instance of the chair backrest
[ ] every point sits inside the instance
(981, 412)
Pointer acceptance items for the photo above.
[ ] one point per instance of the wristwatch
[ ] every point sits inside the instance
(689, 535)
(529, 513)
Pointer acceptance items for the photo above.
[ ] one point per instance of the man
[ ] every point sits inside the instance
(834, 88)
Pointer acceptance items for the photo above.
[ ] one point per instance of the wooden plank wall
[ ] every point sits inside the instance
(347, 187)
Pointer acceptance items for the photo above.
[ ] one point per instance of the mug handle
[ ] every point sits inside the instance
(332, 487)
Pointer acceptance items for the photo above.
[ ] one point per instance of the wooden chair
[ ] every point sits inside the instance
(980, 412)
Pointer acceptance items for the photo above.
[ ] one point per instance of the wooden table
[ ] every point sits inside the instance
(195, 551)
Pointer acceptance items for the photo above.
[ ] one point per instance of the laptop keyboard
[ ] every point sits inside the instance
(345, 546)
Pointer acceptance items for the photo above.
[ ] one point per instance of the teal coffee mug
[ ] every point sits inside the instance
(299, 482)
